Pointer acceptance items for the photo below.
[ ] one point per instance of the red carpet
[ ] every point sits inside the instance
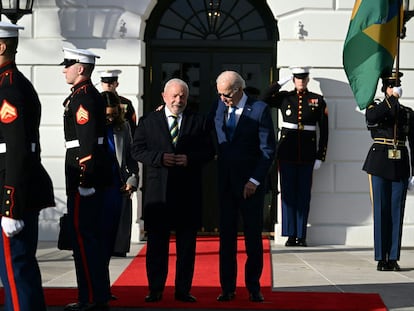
(131, 287)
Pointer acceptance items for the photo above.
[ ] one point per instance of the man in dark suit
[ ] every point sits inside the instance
(246, 148)
(173, 144)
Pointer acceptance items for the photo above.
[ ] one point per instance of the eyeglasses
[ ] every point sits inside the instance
(69, 62)
(229, 96)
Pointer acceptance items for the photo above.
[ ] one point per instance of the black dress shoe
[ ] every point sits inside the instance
(393, 265)
(291, 241)
(185, 297)
(153, 297)
(80, 306)
(226, 296)
(383, 266)
(301, 242)
(256, 297)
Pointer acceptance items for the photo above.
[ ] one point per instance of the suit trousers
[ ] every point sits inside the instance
(19, 268)
(388, 199)
(295, 187)
(251, 210)
(85, 214)
(158, 241)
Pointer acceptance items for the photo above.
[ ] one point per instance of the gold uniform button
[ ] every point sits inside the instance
(7, 202)
(8, 191)
(7, 213)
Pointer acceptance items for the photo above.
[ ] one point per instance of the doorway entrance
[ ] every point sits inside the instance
(195, 41)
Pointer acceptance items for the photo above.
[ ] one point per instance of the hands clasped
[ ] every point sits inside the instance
(171, 159)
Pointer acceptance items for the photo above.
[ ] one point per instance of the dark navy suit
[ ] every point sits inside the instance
(248, 155)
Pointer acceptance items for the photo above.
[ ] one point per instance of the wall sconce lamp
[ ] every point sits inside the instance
(15, 9)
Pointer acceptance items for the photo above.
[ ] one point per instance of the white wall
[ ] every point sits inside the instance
(340, 208)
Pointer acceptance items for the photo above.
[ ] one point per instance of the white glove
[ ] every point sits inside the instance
(284, 80)
(397, 90)
(317, 164)
(11, 226)
(86, 192)
(411, 183)
(361, 111)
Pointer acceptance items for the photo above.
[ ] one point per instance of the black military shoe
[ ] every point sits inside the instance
(393, 265)
(383, 266)
(291, 241)
(301, 242)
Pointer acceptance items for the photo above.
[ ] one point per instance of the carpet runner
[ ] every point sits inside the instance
(131, 287)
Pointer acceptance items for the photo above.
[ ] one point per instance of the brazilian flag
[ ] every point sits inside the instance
(371, 45)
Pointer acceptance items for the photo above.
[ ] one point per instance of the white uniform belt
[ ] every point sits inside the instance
(75, 143)
(3, 147)
(388, 141)
(294, 126)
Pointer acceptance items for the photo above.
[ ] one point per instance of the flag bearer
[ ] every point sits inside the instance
(388, 168)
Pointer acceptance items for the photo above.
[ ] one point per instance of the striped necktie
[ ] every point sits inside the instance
(174, 129)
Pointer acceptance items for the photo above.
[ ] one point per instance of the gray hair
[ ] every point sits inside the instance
(234, 78)
(177, 81)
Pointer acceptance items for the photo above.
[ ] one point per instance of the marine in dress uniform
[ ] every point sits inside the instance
(299, 150)
(26, 188)
(388, 168)
(88, 171)
(109, 82)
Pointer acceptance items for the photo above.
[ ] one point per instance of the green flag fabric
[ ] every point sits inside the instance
(370, 46)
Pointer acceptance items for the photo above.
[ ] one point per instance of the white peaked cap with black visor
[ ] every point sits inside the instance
(79, 56)
(8, 30)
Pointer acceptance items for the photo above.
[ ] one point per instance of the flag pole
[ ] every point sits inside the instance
(397, 60)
